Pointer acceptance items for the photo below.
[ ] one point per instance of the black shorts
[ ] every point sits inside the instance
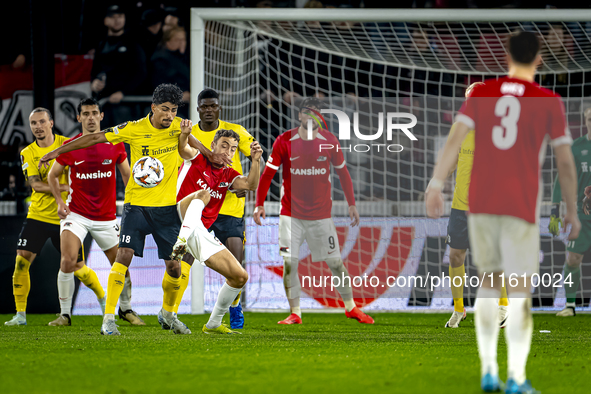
(137, 222)
(457, 230)
(34, 234)
(226, 227)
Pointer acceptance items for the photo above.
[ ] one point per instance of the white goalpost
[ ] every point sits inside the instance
(419, 61)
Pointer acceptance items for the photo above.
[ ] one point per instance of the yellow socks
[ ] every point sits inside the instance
(21, 283)
(87, 276)
(185, 272)
(171, 287)
(503, 301)
(237, 300)
(457, 292)
(115, 287)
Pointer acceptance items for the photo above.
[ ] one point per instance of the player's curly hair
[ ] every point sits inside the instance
(311, 102)
(168, 92)
(226, 133)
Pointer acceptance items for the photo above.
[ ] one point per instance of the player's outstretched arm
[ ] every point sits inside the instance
(79, 143)
(568, 184)
(217, 158)
(449, 157)
(252, 180)
(186, 151)
(53, 181)
(43, 187)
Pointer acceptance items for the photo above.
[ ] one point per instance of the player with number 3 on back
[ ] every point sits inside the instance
(514, 119)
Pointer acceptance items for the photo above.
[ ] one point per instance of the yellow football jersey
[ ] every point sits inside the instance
(233, 206)
(162, 144)
(464, 171)
(43, 206)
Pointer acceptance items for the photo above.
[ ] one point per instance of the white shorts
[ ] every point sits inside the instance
(321, 236)
(504, 243)
(106, 234)
(203, 244)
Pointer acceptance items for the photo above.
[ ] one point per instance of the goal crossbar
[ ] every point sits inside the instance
(388, 15)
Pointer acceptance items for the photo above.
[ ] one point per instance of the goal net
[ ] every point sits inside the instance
(368, 64)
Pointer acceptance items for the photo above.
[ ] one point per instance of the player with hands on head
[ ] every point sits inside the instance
(306, 206)
(575, 248)
(201, 193)
(514, 118)
(90, 208)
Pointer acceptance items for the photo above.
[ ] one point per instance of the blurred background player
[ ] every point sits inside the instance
(91, 207)
(576, 248)
(42, 221)
(514, 118)
(306, 205)
(457, 229)
(229, 226)
(201, 195)
(147, 210)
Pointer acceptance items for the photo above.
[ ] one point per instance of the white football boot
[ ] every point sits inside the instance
(455, 319)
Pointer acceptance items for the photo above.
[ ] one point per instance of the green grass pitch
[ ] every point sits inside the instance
(401, 353)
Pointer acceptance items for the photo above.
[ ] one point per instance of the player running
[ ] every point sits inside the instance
(201, 192)
(42, 221)
(91, 207)
(514, 118)
(229, 226)
(577, 247)
(457, 230)
(146, 210)
(306, 206)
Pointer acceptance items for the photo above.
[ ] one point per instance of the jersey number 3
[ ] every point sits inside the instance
(508, 109)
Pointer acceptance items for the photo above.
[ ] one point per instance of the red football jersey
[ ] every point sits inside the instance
(92, 179)
(199, 174)
(513, 121)
(306, 173)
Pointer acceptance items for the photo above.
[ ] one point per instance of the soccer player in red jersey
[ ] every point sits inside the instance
(91, 207)
(306, 205)
(514, 119)
(201, 190)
